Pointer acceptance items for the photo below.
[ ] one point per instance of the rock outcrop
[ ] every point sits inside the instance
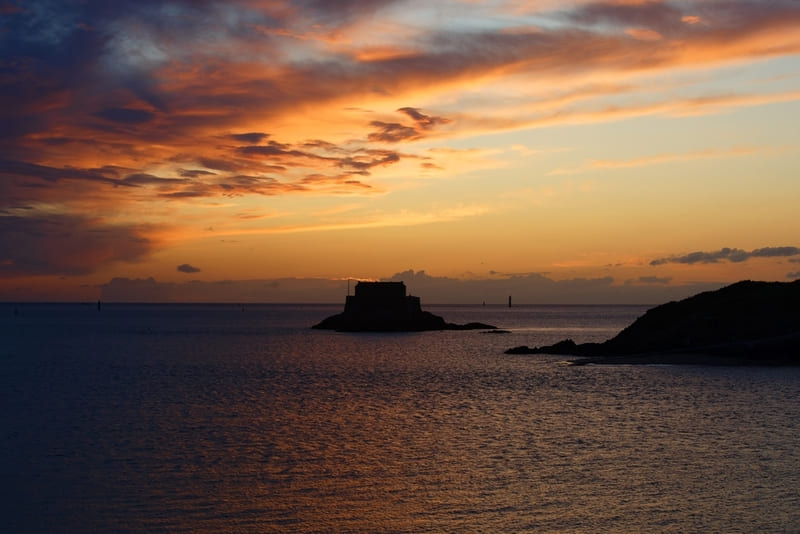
(744, 323)
(385, 307)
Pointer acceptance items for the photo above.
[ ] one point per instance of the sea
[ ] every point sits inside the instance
(241, 418)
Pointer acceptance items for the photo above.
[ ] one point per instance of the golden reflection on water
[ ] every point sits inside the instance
(149, 424)
(530, 447)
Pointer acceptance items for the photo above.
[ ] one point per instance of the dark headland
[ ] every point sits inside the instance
(385, 307)
(746, 323)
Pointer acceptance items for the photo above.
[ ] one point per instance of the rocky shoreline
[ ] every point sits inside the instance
(746, 323)
(420, 322)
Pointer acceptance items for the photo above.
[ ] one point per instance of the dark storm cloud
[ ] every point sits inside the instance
(66, 244)
(186, 268)
(733, 255)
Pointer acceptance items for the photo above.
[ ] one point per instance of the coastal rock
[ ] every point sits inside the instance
(566, 346)
(744, 323)
(385, 307)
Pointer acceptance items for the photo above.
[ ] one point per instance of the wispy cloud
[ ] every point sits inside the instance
(394, 132)
(650, 280)
(404, 218)
(657, 159)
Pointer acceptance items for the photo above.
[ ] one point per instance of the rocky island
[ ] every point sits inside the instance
(385, 307)
(746, 323)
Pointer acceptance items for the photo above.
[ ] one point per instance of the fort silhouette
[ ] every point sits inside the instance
(385, 307)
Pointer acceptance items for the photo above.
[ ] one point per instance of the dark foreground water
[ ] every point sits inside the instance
(221, 419)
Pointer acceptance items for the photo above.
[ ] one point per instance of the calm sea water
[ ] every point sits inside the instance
(192, 418)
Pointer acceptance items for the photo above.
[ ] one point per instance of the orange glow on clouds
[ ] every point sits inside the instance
(331, 138)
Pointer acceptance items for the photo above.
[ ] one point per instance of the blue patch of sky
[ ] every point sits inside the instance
(458, 17)
(759, 76)
(45, 23)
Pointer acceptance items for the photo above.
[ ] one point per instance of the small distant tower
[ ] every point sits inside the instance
(509, 301)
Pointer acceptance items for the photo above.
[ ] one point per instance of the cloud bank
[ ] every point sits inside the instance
(733, 255)
(531, 288)
(66, 244)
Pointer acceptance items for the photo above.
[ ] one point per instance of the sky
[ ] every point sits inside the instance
(617, 151)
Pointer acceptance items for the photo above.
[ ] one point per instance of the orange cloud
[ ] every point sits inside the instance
(657, 159)
(644, 34)
(403, 218)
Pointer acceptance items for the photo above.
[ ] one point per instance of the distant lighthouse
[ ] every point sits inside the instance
(509, 301)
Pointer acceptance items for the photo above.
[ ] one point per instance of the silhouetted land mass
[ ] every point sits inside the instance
(746, 323)
(385, 307)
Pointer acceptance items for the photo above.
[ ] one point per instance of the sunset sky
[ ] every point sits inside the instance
(637, 143)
